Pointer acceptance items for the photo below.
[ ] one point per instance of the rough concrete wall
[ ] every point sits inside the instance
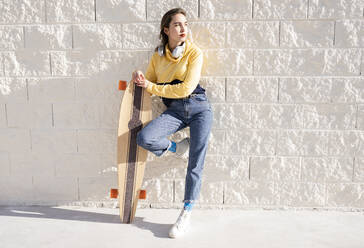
(285, 78)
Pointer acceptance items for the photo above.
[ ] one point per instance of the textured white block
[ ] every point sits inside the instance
(157, 8)
(327, 169)
(78, 164)
(295, 194)
(360, 114)
(280, 9)
(305, 62)
(13, 90)
(224, 62)
(167, 167)
(275, 168)
(97, 141)
(297, 90)
(250, 142)
(346, 90)
(76, 115)
(27, 63)
(215, 89)
(329, 116)
(211, 192)
(140, 36)
(232, 116)
(277, 116)
(349, 33)
(108, 164)
(44, 37)
(249, 193)
(14, 193)
(358, 169)
(22, 11)
(54, 140)
(226, 9)
(70, 11)
(179, 191)
(307, 34)
(12, 37)
(2, 66)
(208, 34)
(5, 164)
(51, 90)
(225, 168)
(98, 88)
(109, 115)
(238, 116)
(252, 34)
(33, 163)
(14, 140)
(335, 9)
(120, 11)
(261, 142)
(362, 63)
(297, 142)
(29, 115)
(75, 63)
(119, 65)
(252, 89)
(96, 188)
(321, 90)
(3, 121)
(345, 195)
(216, 142)
(158, 190)
(97, 36)
(54, 189)
(346, 143)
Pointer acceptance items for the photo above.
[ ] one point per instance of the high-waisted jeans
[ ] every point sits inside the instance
(195, 112)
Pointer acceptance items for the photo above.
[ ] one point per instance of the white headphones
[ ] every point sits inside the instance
(177, 52)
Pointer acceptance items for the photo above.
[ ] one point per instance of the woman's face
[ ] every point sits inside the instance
(177, 31)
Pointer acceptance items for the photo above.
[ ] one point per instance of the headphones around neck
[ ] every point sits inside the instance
(177, 52)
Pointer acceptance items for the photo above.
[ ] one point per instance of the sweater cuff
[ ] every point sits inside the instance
(149, 87)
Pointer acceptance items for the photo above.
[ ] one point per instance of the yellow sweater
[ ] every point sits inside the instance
(163, 70)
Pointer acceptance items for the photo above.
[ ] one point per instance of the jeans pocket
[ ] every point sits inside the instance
(200, 98)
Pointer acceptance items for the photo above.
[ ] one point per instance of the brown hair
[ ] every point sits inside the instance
(166, 20)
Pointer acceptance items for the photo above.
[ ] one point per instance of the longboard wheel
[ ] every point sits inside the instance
(114, 193)
(122, 85)
(142, 194)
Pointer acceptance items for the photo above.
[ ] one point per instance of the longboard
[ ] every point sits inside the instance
(135, 112)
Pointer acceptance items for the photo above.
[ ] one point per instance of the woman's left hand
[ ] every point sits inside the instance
(141, 81)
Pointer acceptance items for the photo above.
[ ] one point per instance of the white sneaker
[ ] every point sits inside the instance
(182, 224)
(182, 147)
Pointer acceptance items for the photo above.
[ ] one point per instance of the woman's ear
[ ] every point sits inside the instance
(166, 30)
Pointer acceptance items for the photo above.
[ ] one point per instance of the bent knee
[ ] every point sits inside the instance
(144, 140)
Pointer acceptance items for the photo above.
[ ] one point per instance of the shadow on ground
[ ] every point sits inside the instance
(159, 230)
(59, 213)
(50, 212)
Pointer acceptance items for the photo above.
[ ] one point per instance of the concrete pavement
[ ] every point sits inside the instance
(58, 227)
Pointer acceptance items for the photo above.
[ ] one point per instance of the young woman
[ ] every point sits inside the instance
(173, 74)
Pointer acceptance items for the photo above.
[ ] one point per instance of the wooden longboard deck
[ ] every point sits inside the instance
(135, 113)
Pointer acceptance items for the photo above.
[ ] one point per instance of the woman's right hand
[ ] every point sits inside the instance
(136, 76)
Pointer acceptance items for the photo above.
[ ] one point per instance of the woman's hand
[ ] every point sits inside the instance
(139, 79)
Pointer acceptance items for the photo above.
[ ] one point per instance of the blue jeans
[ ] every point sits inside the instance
(194, 112)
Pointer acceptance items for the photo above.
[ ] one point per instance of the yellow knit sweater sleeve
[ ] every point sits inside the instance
(150, 73)
(183, 89)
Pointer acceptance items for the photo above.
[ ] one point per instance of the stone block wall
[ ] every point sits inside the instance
(285, 79)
